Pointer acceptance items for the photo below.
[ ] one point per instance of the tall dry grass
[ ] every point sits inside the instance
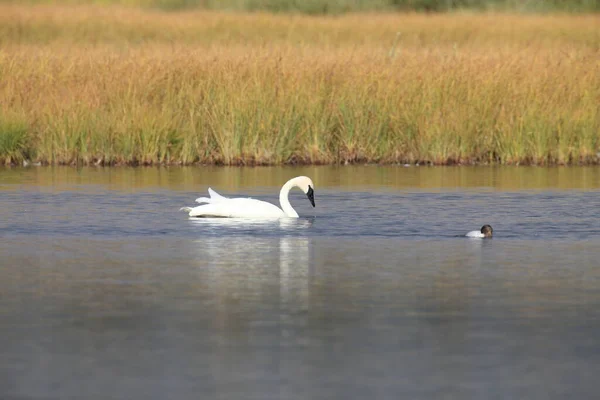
(342, 6)
(116, 85)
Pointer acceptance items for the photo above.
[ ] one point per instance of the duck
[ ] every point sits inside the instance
(217, 206)
(485, 232)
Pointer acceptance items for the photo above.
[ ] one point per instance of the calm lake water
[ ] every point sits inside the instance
(109, 292)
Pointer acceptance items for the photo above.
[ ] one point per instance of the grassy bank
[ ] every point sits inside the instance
(118, 85)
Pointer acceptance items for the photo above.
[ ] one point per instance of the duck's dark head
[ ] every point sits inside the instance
(487, 231)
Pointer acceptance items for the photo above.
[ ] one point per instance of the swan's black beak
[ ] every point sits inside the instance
(311, 195)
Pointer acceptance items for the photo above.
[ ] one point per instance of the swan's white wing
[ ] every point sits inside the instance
(475, 234)
(214, 196)
(237, 208)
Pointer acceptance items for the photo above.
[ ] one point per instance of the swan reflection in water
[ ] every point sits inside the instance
(245, 224)
(250, 262)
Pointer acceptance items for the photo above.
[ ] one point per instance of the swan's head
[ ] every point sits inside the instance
(487, 231)
(307, 186)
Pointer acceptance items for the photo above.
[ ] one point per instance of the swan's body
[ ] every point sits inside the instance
(224, 207)
(485, 232)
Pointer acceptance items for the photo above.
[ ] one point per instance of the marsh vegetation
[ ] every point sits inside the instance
(127, 85)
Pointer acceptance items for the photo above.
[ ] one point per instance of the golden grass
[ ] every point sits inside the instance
(316, 7)
(117, 85)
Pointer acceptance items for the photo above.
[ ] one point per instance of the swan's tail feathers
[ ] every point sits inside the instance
(186, 209)
(210, 210)
(203, 200)
(214, 196)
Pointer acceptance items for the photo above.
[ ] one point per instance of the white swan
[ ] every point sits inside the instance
(485, 232)
(220, 206)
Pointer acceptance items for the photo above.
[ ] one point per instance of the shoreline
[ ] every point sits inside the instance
(29, 164)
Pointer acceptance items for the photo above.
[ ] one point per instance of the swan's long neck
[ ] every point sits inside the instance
(285, 202)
